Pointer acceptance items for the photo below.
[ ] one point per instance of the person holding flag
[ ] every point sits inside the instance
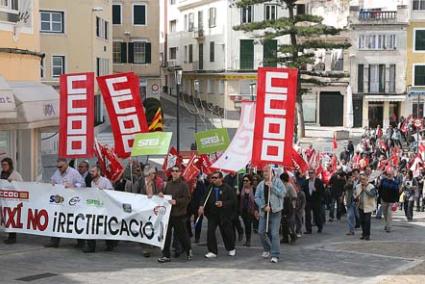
(269, 199)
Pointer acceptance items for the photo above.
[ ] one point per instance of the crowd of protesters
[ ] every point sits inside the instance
(378, 176)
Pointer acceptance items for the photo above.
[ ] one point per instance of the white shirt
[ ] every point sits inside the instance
(70, 176)
(102, 183)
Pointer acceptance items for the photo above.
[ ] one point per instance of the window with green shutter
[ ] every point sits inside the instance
(247, 54)
(420, 40)
(420, 75)
(270, 53)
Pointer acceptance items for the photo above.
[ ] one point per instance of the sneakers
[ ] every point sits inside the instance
(9, 241)
(274, 259)
(299, 235)
(210, 255)
(164, 259)
(265, 254)
(189, 255)
(232, 252)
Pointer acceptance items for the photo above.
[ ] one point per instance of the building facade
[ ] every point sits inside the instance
(136, 42)
(415, 71)
(27, 107)
(378, 65)
(76, 36)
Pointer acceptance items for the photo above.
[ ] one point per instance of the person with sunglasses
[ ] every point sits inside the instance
(247, 207)
(179, 191)
(218, 205)
(70, 178)
(8, 173)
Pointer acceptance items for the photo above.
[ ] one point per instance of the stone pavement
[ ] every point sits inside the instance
(330, 257)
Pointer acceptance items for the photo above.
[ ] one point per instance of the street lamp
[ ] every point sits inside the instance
(178, 78)
(252, 87)
(196, 88)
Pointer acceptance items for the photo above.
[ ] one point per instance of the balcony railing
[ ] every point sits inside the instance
(365, 16)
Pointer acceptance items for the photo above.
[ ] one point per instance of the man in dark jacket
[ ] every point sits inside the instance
(232, 181)
(180, 198)
(220, 203)
(389, 192)
(314, 191)
(337, 184)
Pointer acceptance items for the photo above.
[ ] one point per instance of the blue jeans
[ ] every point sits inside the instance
(351, 217)
(270, 240)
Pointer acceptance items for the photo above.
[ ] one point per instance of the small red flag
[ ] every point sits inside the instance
(334, 144)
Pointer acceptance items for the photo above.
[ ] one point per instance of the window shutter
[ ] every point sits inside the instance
(130, 52)
(246, 54)
(270, 53)
(147, 52)
(123, 52)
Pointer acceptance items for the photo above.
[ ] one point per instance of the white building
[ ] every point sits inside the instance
(378, 64)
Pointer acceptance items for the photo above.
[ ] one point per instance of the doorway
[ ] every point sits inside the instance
(376, 114)
(331, 109)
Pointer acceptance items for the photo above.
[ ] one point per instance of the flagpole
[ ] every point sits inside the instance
(203, 206)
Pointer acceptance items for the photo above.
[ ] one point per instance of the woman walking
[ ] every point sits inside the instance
(247, 207)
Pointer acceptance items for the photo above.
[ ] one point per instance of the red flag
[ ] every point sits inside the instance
(275, 116)
(191, 170)
(334, 144)
(299, 161)
(172, 159)
(76, 129)
(109, 163)
(204, 164)
(122, 100)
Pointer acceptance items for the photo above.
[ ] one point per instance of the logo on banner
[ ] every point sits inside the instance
(94, 202)
(122, 99)
(126, 207)
(13, 194)
(74, 200)
(76, 136)
(273, 132)
(56, 199)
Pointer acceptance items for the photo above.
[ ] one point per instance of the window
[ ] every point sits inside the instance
(9, 4)
(391, 83)
(418, 4)
(185, 54)
(139, 52)
(377, 41)
(173, 26)
(102, 66)
(191, 22)
(419, 39)
(212, 12)
(139, 15)
(201, 56)
(382, 78)
(116, 52)
(246, 55)
(200, 20)
(373, 78)
(51, 22)
(360, 78)
(116, 14)
(190, 53)
(247, 14)
(419, 74)
(300, 9)
(270, 12)
(212, 51)
(101, 28)
(173, 53)
(270, 53)
(58, 65)
(172, 2)
(418, 110)
(221, 86)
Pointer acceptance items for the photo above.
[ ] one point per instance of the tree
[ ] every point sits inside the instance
(306, 35)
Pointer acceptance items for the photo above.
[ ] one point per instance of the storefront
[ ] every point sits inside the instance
(27, 109)
(383, 110)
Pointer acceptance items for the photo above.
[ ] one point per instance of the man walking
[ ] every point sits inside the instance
(269, 199)
(365, 195)
(220, 203)
(389, 191)
(314, 190)
(180, 198)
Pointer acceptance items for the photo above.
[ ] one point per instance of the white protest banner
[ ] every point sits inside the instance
(82, 213)
(238, 154)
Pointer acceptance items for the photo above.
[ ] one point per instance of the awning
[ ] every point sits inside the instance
(7, 101)
(36, 106)
(385, 98)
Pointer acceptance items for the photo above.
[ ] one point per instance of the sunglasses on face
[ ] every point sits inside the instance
(214, 177)
(245, 180)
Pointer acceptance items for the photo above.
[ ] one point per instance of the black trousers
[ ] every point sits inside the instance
(408, 209)
(314, 209)
(247, 222)
(12, 236)
(56, 241)
(179, 225)
(365, 222)
(227, 233)
(110, 244)
(237, 224)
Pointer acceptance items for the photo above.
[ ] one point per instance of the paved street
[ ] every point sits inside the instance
(330, 257)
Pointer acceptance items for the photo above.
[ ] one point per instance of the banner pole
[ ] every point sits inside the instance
(268, 201)
(205, 203)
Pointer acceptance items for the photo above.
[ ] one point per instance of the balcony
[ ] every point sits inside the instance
(199, 35)
(377, 16)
